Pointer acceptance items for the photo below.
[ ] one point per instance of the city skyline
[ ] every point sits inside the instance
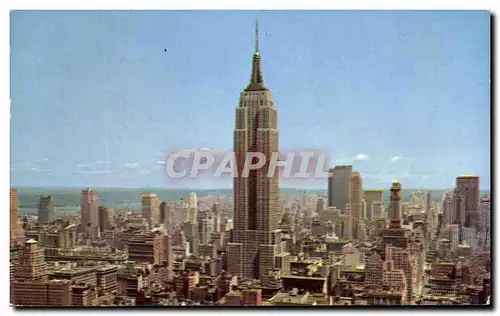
(394, 81)
(256, 246)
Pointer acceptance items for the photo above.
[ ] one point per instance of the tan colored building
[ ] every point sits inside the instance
(192, 207)
(30, 286)
(447, 206)
(256, 238)
(74, 274)
(89, 209)
(146, 248)
(56, 235)
(16, 235)
(396, 204)
(86, 254)
(42, 293)
(370, 197)
(31, 264)
(356, 203)
(151, 208)
(84, 295)
(167, 255)
(107, 278)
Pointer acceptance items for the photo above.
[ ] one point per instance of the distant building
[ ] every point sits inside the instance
(168, 256)
(163, 212)
(217, 220)
(191, 232)
(356, 203)
(447, 206)
(151, 208)
(396, 204)
(89, 209)
(468, 187)
(46, 209)
(377, 211)
(58, 234)
(458, 208)
(339, 189)
(16, 235)
(192, 207)
(370, 197)
(106, 218)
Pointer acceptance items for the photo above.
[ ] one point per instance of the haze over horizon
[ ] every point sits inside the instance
(98, 97)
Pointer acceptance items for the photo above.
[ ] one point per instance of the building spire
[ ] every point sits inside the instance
(256, 81)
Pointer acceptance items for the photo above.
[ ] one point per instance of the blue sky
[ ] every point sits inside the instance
(96, 100)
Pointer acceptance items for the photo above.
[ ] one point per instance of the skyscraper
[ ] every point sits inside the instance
(395, 234)
(447, 206)
(458, 208)
(16, 235)
(216, 213)
(468, 187)
(339, 189)
(256, 238)
(106, 218)
(192, 204)
(89, 208)
(356, 202)
(395, 206)
(168, 221)
(163, 211)
(151, 208)
(46, 209)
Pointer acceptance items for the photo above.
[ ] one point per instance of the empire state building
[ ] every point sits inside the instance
(256, 250)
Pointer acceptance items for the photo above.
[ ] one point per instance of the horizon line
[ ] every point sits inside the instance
(205, 189)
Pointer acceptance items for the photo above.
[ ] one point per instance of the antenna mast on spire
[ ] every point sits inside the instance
(256, 36)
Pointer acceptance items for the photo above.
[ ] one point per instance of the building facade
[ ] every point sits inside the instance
(151, 208)
(468, 187)
(16, 235)
(46, 209)
(339, 188)
(256, 239)
(89, 209)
